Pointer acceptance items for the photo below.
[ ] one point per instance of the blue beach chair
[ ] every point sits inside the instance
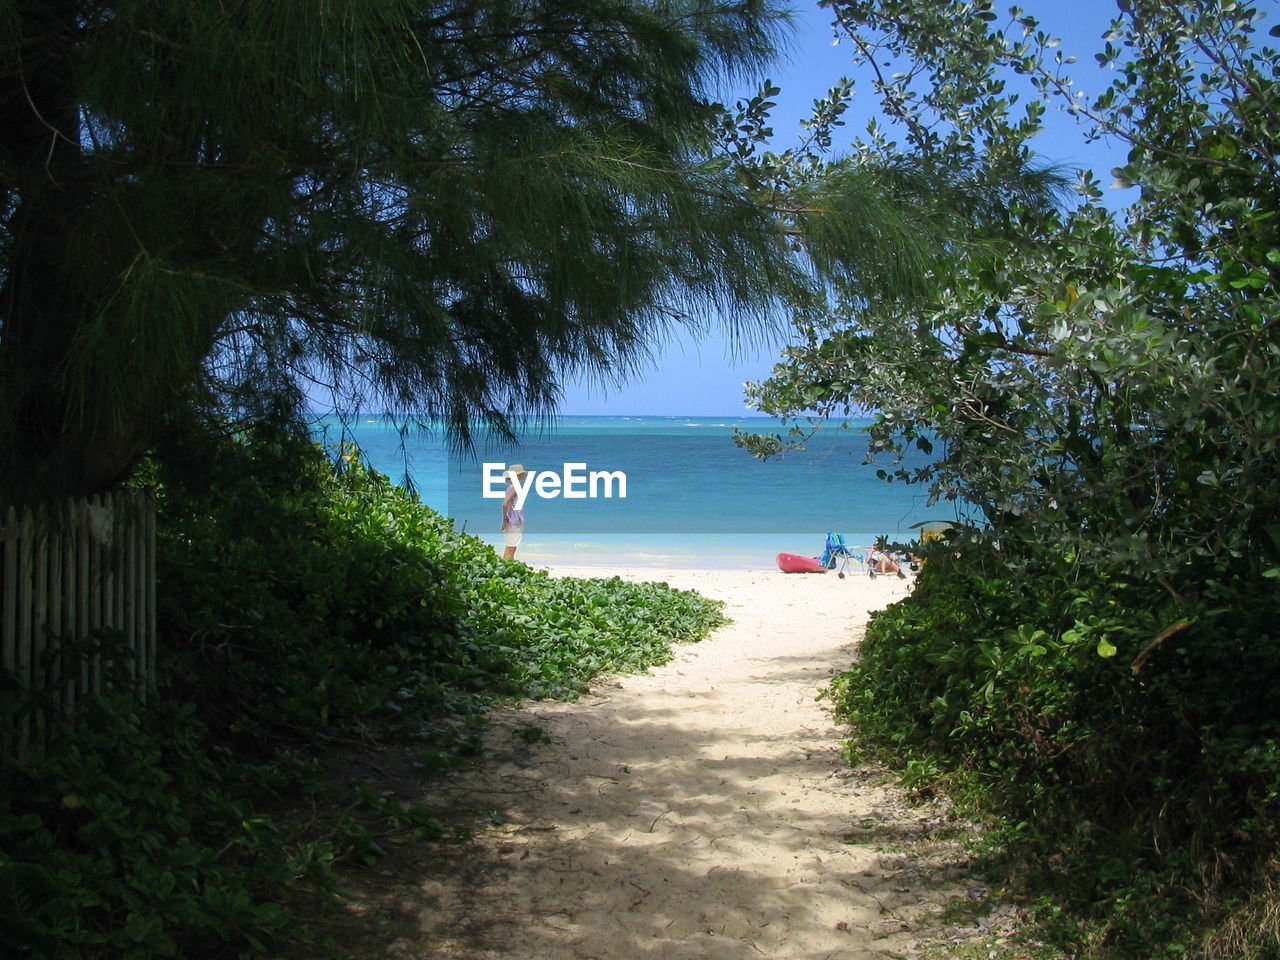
(837, 552)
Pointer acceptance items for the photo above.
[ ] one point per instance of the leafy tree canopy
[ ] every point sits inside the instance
(442, 209)
(440, 205)
(1104, 382)
(1096, 655)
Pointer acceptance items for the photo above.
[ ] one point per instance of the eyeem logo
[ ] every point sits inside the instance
(573, 483)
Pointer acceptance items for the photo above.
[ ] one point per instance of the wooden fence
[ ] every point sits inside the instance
(71, 575)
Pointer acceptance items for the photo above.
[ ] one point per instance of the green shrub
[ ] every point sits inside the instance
(1127, 742)
(129, 837)
(344, 599)
(299, 600)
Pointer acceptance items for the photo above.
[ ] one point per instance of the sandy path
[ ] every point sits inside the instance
(699, 811)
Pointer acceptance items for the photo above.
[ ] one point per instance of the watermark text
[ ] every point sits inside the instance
(574, 482)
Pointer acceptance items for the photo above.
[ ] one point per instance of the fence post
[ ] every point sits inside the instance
(9, 593)
(26, 625)
(149, 589)
(12, 537)
(70, 566)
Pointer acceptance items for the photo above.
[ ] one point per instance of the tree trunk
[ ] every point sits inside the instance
(55, 441)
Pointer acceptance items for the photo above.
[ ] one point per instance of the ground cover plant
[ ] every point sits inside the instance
(308, 601)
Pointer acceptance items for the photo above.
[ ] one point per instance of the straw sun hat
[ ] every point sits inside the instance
(516, 469)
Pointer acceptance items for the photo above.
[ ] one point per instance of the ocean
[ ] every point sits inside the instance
(654, 491)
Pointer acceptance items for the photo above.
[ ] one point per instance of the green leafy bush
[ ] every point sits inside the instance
(299, 601)
(1096, 390)
(346, 599)
(130, 837)
(1127, 745)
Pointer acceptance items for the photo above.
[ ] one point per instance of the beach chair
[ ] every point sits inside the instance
(837, 552)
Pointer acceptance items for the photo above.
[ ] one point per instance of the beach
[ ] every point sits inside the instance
(700, 810)
(692, 497)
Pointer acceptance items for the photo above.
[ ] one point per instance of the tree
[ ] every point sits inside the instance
(208, 202)
(1104, 381)
(1096, 653)
(442, 209)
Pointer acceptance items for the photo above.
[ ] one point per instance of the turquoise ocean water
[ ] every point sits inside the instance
(693, 497)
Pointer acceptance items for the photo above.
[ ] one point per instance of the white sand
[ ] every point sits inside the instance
(698, 812)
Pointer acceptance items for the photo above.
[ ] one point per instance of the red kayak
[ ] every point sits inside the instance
(791, 563)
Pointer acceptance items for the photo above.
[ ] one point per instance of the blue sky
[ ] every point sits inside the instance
(704, 376)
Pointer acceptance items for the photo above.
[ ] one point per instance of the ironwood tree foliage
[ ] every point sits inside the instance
(444, 206)
(442, 209)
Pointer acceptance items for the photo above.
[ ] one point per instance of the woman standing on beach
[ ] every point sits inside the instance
(512, 516)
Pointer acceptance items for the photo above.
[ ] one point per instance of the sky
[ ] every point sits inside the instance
(693, 376)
